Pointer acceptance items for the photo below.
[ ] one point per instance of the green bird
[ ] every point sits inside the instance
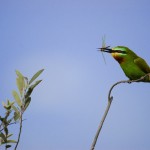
(133, 66)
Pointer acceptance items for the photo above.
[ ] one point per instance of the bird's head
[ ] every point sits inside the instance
(119, 52)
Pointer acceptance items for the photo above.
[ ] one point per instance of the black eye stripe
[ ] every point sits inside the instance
(118, 51)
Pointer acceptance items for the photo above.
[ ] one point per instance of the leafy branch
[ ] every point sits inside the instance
(110, 98)
(15, 110)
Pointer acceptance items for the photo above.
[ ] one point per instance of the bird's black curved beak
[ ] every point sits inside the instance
(109, 50)
(105, 49)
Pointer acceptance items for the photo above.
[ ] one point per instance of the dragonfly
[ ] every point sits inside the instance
(104, 47)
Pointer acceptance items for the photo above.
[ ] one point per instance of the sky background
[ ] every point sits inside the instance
(61, 36)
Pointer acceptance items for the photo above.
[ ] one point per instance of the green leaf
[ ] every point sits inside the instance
(15, 109)
(31, 88)
(3, 137)
(16, 113)
(17, 98)
(1, 119)
(20, 82)
(16, 116)
(36, 75)
(9, 135)
(35, 84)
(8, 106)
(11, 141)
(28, 93)
(8, 141)
(27, 102)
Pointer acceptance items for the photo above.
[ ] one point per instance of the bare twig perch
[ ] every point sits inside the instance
(20, 130)
(110, 98)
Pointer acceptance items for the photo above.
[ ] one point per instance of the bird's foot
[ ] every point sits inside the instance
(129, 81)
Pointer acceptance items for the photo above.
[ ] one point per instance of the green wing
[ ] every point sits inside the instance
(142, 65)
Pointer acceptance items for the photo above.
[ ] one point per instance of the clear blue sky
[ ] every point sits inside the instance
(61, 36)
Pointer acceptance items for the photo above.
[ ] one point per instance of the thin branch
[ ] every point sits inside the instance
(101, 124)
(20, 130)
(110, 98)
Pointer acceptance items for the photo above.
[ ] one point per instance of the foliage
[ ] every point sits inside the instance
(14, 110)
